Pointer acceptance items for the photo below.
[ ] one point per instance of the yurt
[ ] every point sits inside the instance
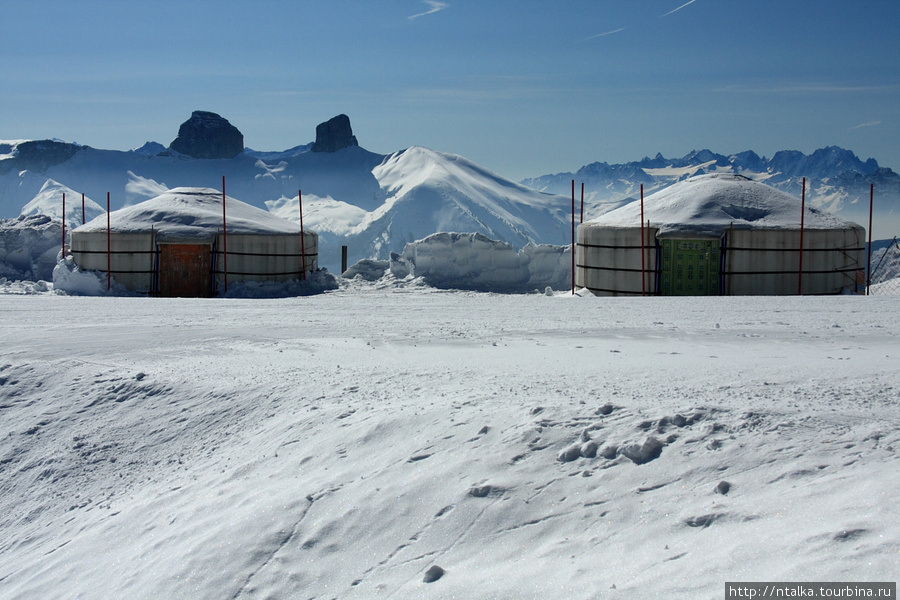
(718, 234)
(186, 243)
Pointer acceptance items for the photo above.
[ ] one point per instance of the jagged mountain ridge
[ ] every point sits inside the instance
(837, 180)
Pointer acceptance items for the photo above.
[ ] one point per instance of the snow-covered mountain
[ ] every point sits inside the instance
(837, 180)
(376, 203)
(371, 202)
(425, 191)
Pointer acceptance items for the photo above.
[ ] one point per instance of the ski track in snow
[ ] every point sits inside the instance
(337, 446)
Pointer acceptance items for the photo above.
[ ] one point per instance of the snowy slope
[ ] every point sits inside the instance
(425, 191)
(530, 446)
(48, 202)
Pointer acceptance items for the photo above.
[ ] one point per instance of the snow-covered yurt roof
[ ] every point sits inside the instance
(707, 205)
(190, 212)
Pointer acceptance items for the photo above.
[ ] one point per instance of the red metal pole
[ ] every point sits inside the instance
(108, 251)
(582, 203)
(302, 235)
(83, 218)
(802, 220)
(224, 238)
(573, 237)
(643, 252)
(869, 258)
(64, 227)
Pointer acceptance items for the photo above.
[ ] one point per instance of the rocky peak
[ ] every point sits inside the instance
(38, 155)
(207, 135)
(334, 134)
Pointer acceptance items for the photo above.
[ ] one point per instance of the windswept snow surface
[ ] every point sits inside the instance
(347, 444)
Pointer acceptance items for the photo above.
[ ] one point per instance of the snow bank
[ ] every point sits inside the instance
(24, 287)
(317, 282)
(28, 247)
(472, 261)
(368, 269)
(70, 279)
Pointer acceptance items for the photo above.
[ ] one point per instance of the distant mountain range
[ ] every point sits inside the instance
(373, 203)
(376, 203)
(836, 180)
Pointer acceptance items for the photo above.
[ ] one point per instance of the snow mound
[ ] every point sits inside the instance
(472, 261)
(24, 287)
(70, 279)
(28, 247)
(368, 269)
(707, 205)
(188, 213)
(317, 282)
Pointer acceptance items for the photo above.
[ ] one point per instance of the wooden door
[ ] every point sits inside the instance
(690, 267)
(184, 270)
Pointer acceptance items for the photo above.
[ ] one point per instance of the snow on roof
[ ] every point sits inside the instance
(187, 212)
(707, 205)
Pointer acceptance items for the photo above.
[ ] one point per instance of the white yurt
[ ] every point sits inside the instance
(182, 243)
(719, 234)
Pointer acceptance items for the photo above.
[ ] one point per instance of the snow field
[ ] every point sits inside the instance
(342, 445)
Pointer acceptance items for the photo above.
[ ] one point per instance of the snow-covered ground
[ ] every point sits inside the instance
(531, 446)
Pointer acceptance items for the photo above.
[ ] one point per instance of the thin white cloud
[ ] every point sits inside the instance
(688, 3)
(435, 7)
(868, 124)
(807, 88)
(604, 34)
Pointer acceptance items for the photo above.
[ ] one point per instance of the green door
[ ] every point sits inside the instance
(690, 267)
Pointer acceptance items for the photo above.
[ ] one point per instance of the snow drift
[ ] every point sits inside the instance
(475, 262)
(28, 247)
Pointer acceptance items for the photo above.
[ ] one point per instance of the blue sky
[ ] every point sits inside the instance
(524, 88)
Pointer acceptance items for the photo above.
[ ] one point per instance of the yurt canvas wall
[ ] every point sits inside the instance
(608, 260)
(174, 245)
(718, 234)
(767, 262)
